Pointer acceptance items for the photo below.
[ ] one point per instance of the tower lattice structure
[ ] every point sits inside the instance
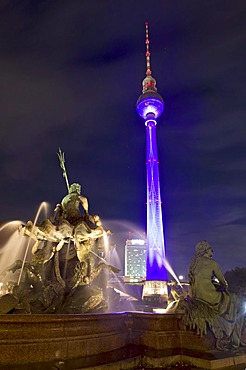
(150, 106)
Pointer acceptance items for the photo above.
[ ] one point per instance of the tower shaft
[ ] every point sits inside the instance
(155, 269)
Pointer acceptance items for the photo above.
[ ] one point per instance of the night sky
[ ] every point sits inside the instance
(70, 75)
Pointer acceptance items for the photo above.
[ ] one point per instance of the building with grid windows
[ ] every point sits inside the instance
(135, 258)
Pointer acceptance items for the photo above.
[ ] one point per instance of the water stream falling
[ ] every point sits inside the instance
(43, 207)
(12, 247)
(66, 260)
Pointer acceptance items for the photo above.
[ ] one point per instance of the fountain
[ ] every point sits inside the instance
(54, 301)
(65, 260)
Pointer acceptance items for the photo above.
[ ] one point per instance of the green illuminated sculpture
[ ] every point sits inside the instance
(67, 256)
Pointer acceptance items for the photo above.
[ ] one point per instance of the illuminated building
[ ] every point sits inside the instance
(150, 106)
(135, 258)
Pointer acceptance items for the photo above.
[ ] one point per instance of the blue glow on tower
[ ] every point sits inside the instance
(150, 106)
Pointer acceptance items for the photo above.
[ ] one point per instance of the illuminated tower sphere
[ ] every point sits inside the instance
(150, 106)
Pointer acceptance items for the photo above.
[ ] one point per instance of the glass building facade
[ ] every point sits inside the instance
(135, 258)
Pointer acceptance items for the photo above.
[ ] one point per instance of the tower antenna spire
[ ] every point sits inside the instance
(148, 70)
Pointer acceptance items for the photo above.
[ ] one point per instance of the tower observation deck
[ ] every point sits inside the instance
(150, 106)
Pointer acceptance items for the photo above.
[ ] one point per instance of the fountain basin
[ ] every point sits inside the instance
(101, 339)
(39, 338)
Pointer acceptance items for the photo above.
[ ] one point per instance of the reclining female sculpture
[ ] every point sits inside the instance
(211, 302)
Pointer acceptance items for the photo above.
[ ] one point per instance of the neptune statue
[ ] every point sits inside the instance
(68, 254)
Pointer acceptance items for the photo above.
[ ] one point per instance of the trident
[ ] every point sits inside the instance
(61, 157)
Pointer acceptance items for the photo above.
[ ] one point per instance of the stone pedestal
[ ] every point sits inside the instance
(114, 341)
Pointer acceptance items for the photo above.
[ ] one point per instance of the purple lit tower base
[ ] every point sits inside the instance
(155, 292)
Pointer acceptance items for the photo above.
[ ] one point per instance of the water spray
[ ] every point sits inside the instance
(170, 270)
(42, 205)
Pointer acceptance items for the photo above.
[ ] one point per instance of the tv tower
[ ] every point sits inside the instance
(150, 106)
